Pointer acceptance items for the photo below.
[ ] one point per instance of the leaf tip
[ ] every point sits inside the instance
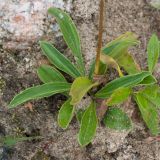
(11, 105)
(73, 102)
(41, 43)
(80, 142)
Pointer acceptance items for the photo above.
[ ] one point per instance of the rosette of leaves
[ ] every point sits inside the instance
(114, 55)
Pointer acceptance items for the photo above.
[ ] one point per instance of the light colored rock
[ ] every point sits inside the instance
(22, 21)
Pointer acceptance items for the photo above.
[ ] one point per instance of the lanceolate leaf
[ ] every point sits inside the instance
(116, 119)
(118, 49)
(65, 114)
(70, 35)
(91, 70)
(126, 81)
(149, 113)
(122, 43)
(102, 69)
(152, 94)
(155, 100)
(59, 60)
(151, 91)
(111, 63)
(150, 80)
(88, 127)
(118, 96)
(153, 50)
(49, 74)
(12, 140)
(79, 115)
(127, 62)
(40, 91)
(79, 88)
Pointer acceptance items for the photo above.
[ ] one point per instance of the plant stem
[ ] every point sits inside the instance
(100, 35)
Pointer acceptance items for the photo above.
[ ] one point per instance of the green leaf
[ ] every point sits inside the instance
(150, 80)
(116, 119)
(155, 3)
(79, 115)
(65, 114)
(149, 113)
(102, 69)
(12, 140)
(127, 62)
(156, 100)
(118, 49)
(118, 96)
(59, 60)
(50, 74)
(151, 91)
(79, 88)
(91, 69)
(70, 35)
(38, 92)
(126, 81)
(88, 127)
(152, 94)
(153, 50)
(111, 63)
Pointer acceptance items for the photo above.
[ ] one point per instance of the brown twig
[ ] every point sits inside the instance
(100, 35)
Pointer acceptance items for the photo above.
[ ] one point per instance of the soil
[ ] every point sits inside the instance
(18, 71)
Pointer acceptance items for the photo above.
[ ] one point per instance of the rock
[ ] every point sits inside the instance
(22, 21)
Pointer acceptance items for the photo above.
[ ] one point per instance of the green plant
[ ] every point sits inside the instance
(155, 3)
(9, 141)
(103, 92)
